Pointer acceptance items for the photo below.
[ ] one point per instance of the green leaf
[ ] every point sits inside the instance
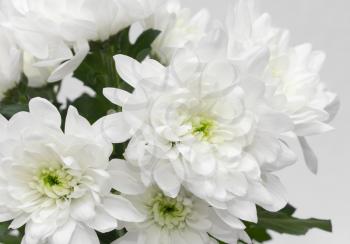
(17, 99)
(8, 110)
(98, 70)
(258, 233)
(6, 235)
(92, 108)
(289, 210)
(284, 223)
(142, 47)
(107, 238)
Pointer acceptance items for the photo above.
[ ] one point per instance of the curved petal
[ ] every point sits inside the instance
(42, 108)
(309, 155)
(122, 209)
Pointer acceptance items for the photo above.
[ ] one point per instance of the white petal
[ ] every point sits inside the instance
(84, 235)
(259, 61)
(192, 237)
(122, 209)
(309, 155)
(115, 128)
(166, 179)
(76, 124)
(312, 128)
(203, 163)
(277, 193)
(19, 221)
(244, 210)
(128, 69)
(6, 215)
(37, 231)
(275, 123)
(65, 69)
(237, 183)
(230, 220)
(116, 96)
(63, 234)
(123, 179)
(333, 108)
(102, 222)
(83, 209)
(185, 65)
(42, 108)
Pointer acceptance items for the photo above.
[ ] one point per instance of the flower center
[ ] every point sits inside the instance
(51, 180)
(202, 127)
(169, 212)
(54, 183)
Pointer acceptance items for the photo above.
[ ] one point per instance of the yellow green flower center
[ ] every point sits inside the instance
(170, 213)
(202, 127)
(55, 183)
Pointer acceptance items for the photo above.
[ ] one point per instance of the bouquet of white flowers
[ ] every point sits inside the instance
(137, 121)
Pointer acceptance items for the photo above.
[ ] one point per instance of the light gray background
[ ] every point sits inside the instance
(326, 24)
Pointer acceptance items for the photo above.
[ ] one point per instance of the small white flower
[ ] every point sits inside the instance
(178, 27)
(48, 30)
(184, 219)
(57, 183)
(291, 74)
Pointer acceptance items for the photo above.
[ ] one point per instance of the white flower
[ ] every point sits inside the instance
(10, 62)
(184, 219)
(197, 125)
(83, 20)
(291, 74)
(178, 27)
(47, 30)
(57, 183)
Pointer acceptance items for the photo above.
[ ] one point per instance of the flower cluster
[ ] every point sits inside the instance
(183, 147)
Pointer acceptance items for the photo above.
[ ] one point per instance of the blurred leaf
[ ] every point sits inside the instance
(107, 238)
(98, 70)
(92, 108)
(7, 236)
(142, 47)
(17, 99)
(258, 233)
(284, 223)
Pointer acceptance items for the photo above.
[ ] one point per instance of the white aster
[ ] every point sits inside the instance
(55, 34)
(183, 219)
(178, 26)
(291, 74)
(199, 126)
(57, 183)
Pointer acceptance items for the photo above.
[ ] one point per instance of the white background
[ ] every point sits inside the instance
(326, 24)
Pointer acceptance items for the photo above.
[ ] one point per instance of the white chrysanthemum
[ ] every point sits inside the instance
(10, 62)
(47, 30)
(178, 26)
(199, 126)
(184, 219)
(87, 19)
(291, 74)
(56, 183)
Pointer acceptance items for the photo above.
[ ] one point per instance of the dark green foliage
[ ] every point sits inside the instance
(17, 98)
(98, 70)
(107, 238)
(283, 222)
(6, 237)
